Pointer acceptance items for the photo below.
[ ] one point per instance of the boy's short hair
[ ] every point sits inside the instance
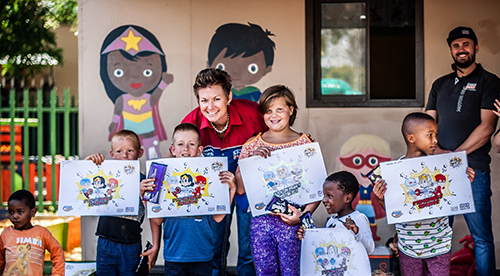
(412, 120)
(24, 196)
(270, 94)
(212, 76)
(346, 182)
(187, 127)
(241, 39)
(125, 133)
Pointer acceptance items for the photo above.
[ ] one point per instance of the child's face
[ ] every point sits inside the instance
(124, 148)
(243, 70)
(186, 144)
(424, 137)
(20, 214)
(134, 77)
(213, 104)
(335, 200)
(277, 115)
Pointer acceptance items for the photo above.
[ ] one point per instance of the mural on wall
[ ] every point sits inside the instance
(244, 51)
(359, 155)
(133, 70)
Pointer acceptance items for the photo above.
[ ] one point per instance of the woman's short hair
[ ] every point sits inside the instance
(212, 76)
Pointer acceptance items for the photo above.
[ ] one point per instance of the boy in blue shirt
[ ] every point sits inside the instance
(188, 241)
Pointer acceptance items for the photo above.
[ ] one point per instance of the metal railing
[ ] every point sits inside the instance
(39, 128)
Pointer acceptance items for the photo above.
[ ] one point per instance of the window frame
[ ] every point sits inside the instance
(313, 62)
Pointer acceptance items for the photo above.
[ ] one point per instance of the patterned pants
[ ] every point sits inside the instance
(275, 247)
(435, 266)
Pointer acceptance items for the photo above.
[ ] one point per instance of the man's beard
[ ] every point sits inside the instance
(466, 63)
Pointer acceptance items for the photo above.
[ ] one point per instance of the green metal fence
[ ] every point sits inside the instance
(47, 128)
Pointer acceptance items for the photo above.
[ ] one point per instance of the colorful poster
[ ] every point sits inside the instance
(79, 269)
(295, 174)
(333, 252)
(191, 187)
(106, 190)
(427, 187)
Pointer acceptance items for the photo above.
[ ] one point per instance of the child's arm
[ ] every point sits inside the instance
(56, 254)
(240, 188)
(2, 256)
(97, 158)
(379, 191)
(155, 225)
(364, 233)
(229, 178)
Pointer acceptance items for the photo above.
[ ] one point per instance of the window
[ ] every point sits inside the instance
(364, 53)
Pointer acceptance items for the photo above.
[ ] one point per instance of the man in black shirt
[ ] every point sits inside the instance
(462, 104)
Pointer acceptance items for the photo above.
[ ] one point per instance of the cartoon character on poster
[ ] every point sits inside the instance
(427, 189)
(244, 51)
(359, 155)
(187, 188)
(101, 189)
(286, 179)
(335, 252)
(133, 69)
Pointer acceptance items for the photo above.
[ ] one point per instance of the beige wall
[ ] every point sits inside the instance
(184, 29)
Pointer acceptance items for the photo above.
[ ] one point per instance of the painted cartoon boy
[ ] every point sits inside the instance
(244, 51)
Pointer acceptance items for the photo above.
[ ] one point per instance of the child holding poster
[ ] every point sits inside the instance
(119, 242)
(189, 240)
(340, 189)
(275, 249)
(424, 246)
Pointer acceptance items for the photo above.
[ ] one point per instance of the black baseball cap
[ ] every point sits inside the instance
(461, 32)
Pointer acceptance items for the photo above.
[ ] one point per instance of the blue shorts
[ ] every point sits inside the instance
(117, 258)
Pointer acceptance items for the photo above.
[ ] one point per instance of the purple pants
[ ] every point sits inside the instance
(275, 247)
(435, 266)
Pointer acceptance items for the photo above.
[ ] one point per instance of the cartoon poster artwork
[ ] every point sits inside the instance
(133, 69)
(333, 252)
(79, 268)
(359, 155)
(295, 174)
(427, 187)
(191, 187)
(244, 51)
(106, 190)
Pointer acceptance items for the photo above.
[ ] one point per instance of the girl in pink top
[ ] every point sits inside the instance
(275, 247)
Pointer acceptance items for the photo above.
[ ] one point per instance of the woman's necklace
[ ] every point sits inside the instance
(225, 127)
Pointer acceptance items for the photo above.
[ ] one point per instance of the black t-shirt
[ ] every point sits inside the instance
(122, 229)
(458, 102)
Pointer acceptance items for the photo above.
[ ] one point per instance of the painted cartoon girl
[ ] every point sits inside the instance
(361, 154)
(133, 70)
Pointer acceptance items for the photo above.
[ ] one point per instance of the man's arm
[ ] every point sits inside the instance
(481, 134)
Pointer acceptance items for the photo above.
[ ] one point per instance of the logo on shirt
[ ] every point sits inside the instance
(30, 240)
(236, 154)
(471, 86)
(208, 152)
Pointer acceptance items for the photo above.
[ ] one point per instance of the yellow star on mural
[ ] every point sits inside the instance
(131, 41)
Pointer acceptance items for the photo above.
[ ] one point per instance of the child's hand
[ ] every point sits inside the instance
(300, 233)
(152, 254)
(349, 224)
(497, 105)
(394, 248)
(229, 178)
(262, 151)
(293, 219)
(379, 191)
(147, 184)
(471, 173)
(97, 158)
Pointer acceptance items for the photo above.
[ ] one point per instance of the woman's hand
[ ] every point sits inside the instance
(97, 158)
(262, 151)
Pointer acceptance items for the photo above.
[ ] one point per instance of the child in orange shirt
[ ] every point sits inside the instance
(22, 246)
